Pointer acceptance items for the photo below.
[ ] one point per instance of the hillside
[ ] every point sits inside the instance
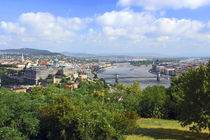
(152, 129)
(28, 51)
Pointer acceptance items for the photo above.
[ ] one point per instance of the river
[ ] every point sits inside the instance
(129, 73)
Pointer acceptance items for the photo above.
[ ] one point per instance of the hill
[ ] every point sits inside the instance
(152, 129)
(28, 51)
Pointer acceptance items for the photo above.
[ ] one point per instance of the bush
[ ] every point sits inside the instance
(153, 102)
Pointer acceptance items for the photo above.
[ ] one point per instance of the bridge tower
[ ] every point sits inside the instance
(116, 78)
(158, 76)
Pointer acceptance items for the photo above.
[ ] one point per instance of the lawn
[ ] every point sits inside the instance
(151, 129)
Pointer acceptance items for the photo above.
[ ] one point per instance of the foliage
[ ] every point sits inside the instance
(88, 87)
(18, 114)
(174, 99)
(10, 133)
(194, 86)
(3, 71)
(95, 75)
(69, 118)
(129, 96)
(153, 102)
(55, 113)
(98, 111)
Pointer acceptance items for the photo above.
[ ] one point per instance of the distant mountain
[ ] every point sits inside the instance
(128, 55)
(78, 54)
(87, 55)
(28, 51)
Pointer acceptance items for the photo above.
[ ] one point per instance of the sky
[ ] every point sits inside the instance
(165, 27)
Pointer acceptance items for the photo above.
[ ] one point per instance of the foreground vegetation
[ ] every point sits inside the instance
(150, 129)
(56, 114)
(97, 111)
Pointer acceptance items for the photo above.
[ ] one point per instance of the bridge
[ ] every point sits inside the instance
(138, 77)
(130, 77)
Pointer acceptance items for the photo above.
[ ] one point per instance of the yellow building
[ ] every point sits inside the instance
(56, 80)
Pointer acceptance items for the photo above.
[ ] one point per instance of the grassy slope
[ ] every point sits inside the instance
(151, 129)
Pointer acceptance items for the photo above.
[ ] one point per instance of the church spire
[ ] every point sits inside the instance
(22, 58)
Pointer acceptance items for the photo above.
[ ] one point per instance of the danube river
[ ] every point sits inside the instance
(128, 73)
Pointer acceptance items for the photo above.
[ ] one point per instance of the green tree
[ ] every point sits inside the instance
(174, 99)
(130, 96)
(153, 102)
(66, 119)
(134, 88)
(7, 133)
(195, 104)
(95, 75)
(19, 116)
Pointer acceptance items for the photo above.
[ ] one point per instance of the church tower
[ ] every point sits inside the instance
(22, 59)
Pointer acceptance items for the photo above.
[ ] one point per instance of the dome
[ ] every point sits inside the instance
(55, 60)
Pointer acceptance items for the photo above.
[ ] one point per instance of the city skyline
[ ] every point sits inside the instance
(174, 27)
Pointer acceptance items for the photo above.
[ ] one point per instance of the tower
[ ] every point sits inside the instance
(22, 59)
(157, 62)
(158, 76)
(116, 78)
(55, 62)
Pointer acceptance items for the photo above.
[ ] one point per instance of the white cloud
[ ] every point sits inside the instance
(177, 26)
(162, 38)
(125, 23)
(111, 31)
(117, 32)
(208, 25)
(12, 27)
(73, 23)
(129, 23)
(43, 28)
(51, 27)
(164, 4)
(124, 18)
(140, 30)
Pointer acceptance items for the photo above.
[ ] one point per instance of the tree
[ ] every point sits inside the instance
(66, 118)
(134, 88)
(10, 133)
(130, 96)
(95, 75)
(174, 99)
(153, 102)
(195, 103)
(19, 116)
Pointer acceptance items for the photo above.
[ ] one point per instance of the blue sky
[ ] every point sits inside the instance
(173, 27)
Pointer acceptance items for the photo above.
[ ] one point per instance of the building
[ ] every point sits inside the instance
(20, 90)
(67, 71)
(56, 80)
(75, 76)
(20, 65)
(74, 85)
(83, 77)
(33, 74)
(170, 71)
